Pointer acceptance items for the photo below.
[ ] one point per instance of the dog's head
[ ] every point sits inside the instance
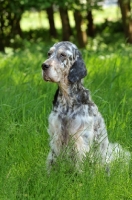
(64, 64)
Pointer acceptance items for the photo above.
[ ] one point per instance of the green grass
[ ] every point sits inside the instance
(25, 103)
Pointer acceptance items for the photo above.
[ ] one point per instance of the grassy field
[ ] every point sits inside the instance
(25, 103)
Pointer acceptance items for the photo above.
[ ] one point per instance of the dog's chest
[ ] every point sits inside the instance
(70, 122)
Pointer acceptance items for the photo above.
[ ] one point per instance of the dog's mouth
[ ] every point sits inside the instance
(46, 78)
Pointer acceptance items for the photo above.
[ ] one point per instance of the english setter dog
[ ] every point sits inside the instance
(75, 120)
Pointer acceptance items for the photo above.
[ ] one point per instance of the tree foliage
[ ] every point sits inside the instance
(11, 13)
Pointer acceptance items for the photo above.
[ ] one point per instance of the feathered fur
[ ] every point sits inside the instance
(75, 118)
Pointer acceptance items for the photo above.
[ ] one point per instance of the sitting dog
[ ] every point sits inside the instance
(74, 116)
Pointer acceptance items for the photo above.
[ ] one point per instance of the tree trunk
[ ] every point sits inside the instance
(14, 19)
(66, 29)
(91, 27)
(50, 14)
(81, 34)
(127, 21)
(2, 39)
(18, 27)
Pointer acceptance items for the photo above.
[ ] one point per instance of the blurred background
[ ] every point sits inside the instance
(95, 23)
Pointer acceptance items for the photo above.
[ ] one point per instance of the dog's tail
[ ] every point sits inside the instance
(116, 152)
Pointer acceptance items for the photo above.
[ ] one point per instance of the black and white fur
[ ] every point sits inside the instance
(74, 116)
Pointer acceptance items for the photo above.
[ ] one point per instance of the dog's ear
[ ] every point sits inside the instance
(77, 71)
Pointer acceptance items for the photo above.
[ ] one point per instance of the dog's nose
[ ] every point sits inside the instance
(45, 66)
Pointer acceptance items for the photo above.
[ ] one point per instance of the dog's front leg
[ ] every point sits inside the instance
(50, 160)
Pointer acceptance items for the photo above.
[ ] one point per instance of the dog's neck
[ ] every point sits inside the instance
(70, 90)
(70, 95)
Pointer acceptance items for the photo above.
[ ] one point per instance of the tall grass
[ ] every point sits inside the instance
(26, 101)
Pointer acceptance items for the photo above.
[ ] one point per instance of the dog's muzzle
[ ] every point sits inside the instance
(45, 68)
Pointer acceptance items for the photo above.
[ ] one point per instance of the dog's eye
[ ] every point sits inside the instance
(49, 54)
(62, 55)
